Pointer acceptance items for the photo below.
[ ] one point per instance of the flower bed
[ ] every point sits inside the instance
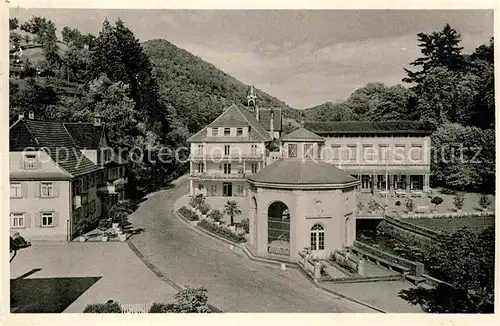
(188, 214)
(221, 231)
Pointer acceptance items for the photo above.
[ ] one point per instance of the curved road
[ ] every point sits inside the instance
(234, 282)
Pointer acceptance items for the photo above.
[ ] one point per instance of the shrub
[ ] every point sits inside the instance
(360, 206)
(484, 201)
(373, 206)
(436, 201)
(216, 215)
(410, 204)
(458, 201)
(103, 308)
(188, 213)
(245, 224)
(204, 208)
(163, 308)
(197, 201)
(222, 231)
(192, 300)
(398, 203)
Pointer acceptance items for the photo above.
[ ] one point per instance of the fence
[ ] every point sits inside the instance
(135, 308)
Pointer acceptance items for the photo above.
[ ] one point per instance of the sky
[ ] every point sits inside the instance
(302, 57)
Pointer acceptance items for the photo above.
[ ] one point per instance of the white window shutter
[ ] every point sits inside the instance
(38, 219)
(24, 190)
(56, 189)
(55, 219)
(27, 220)
(38, 187)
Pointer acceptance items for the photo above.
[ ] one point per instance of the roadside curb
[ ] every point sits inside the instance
(159, 273)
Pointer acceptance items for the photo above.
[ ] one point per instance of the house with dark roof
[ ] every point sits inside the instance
(61, 173)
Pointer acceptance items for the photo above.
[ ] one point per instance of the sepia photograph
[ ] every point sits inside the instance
(251, 161)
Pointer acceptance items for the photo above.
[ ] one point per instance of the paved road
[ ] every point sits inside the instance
(235, 283)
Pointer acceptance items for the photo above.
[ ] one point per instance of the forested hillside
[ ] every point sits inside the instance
(154, 95)
(451, 90)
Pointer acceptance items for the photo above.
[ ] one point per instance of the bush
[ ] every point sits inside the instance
(436, 201)
(103, 308)
(398, 203)
(204, 208)
(410, 204)
(373, 206)
(484, 201)
(163, 308)
(360, 206)
(245, 224)
(458, 201)
(187, 300)
(216, 215)
(188, 213)
(222, 231)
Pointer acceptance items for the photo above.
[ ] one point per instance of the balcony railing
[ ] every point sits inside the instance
(231, 156)
(219, 176)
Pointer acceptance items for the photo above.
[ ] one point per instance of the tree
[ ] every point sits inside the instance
(439, 49)
(189, 300)
(119, 212)
(410, 205)
(465, 260)
(13, 23)
(484, 201)
(231, 208)
(216, 215)
(458, 201)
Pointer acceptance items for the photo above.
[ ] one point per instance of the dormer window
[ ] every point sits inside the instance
(227, 131)
(239, 131)
(30, 162)
(215, 131)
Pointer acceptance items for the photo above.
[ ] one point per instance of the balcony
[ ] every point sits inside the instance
(232, 157)
(218, 176)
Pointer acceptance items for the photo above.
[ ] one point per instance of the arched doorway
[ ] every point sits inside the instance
(317, 237)
(278, 229)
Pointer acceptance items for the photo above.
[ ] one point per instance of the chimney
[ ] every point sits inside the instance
(271, 123)
(21, 116)
(31, 115)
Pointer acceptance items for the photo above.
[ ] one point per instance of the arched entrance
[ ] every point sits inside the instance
(278, 229)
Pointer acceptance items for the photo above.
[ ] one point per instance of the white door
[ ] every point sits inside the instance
(317, 238)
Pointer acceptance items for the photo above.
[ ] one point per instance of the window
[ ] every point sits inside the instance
(227, 149)
(92, 207)
(352, 152)
(317, 237)
(239, 131)
(17, 220)
(201, 167)
(416, 153)
(47, 189)
(335, 152)
(85, 185)
(200, 149)
(292, 150)
(381, 185)
(30, 162)
(47, 219)
(227, 168)
(383, 153)
(76, 187)
(227, 131)
(255, 167)
(215, 131)
(368, 153)
(15, 190)
(254, 149)
(91, 180)
(308, 151)
(85, 210)
(213, 189)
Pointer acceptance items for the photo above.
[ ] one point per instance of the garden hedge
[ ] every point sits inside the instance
(188, 214)
(221, 231)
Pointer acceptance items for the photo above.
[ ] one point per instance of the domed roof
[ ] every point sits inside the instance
(302, 135)
(294, 173)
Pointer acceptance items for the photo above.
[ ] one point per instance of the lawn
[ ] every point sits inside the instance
(476, 223)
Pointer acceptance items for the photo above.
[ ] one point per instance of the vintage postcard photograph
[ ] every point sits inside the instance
(250, 161)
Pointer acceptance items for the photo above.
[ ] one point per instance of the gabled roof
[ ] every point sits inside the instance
(85, 135)
(302, 135)
(234, 116)
(369, 127)
(265, 119)
(294, 172)
(54, 138)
